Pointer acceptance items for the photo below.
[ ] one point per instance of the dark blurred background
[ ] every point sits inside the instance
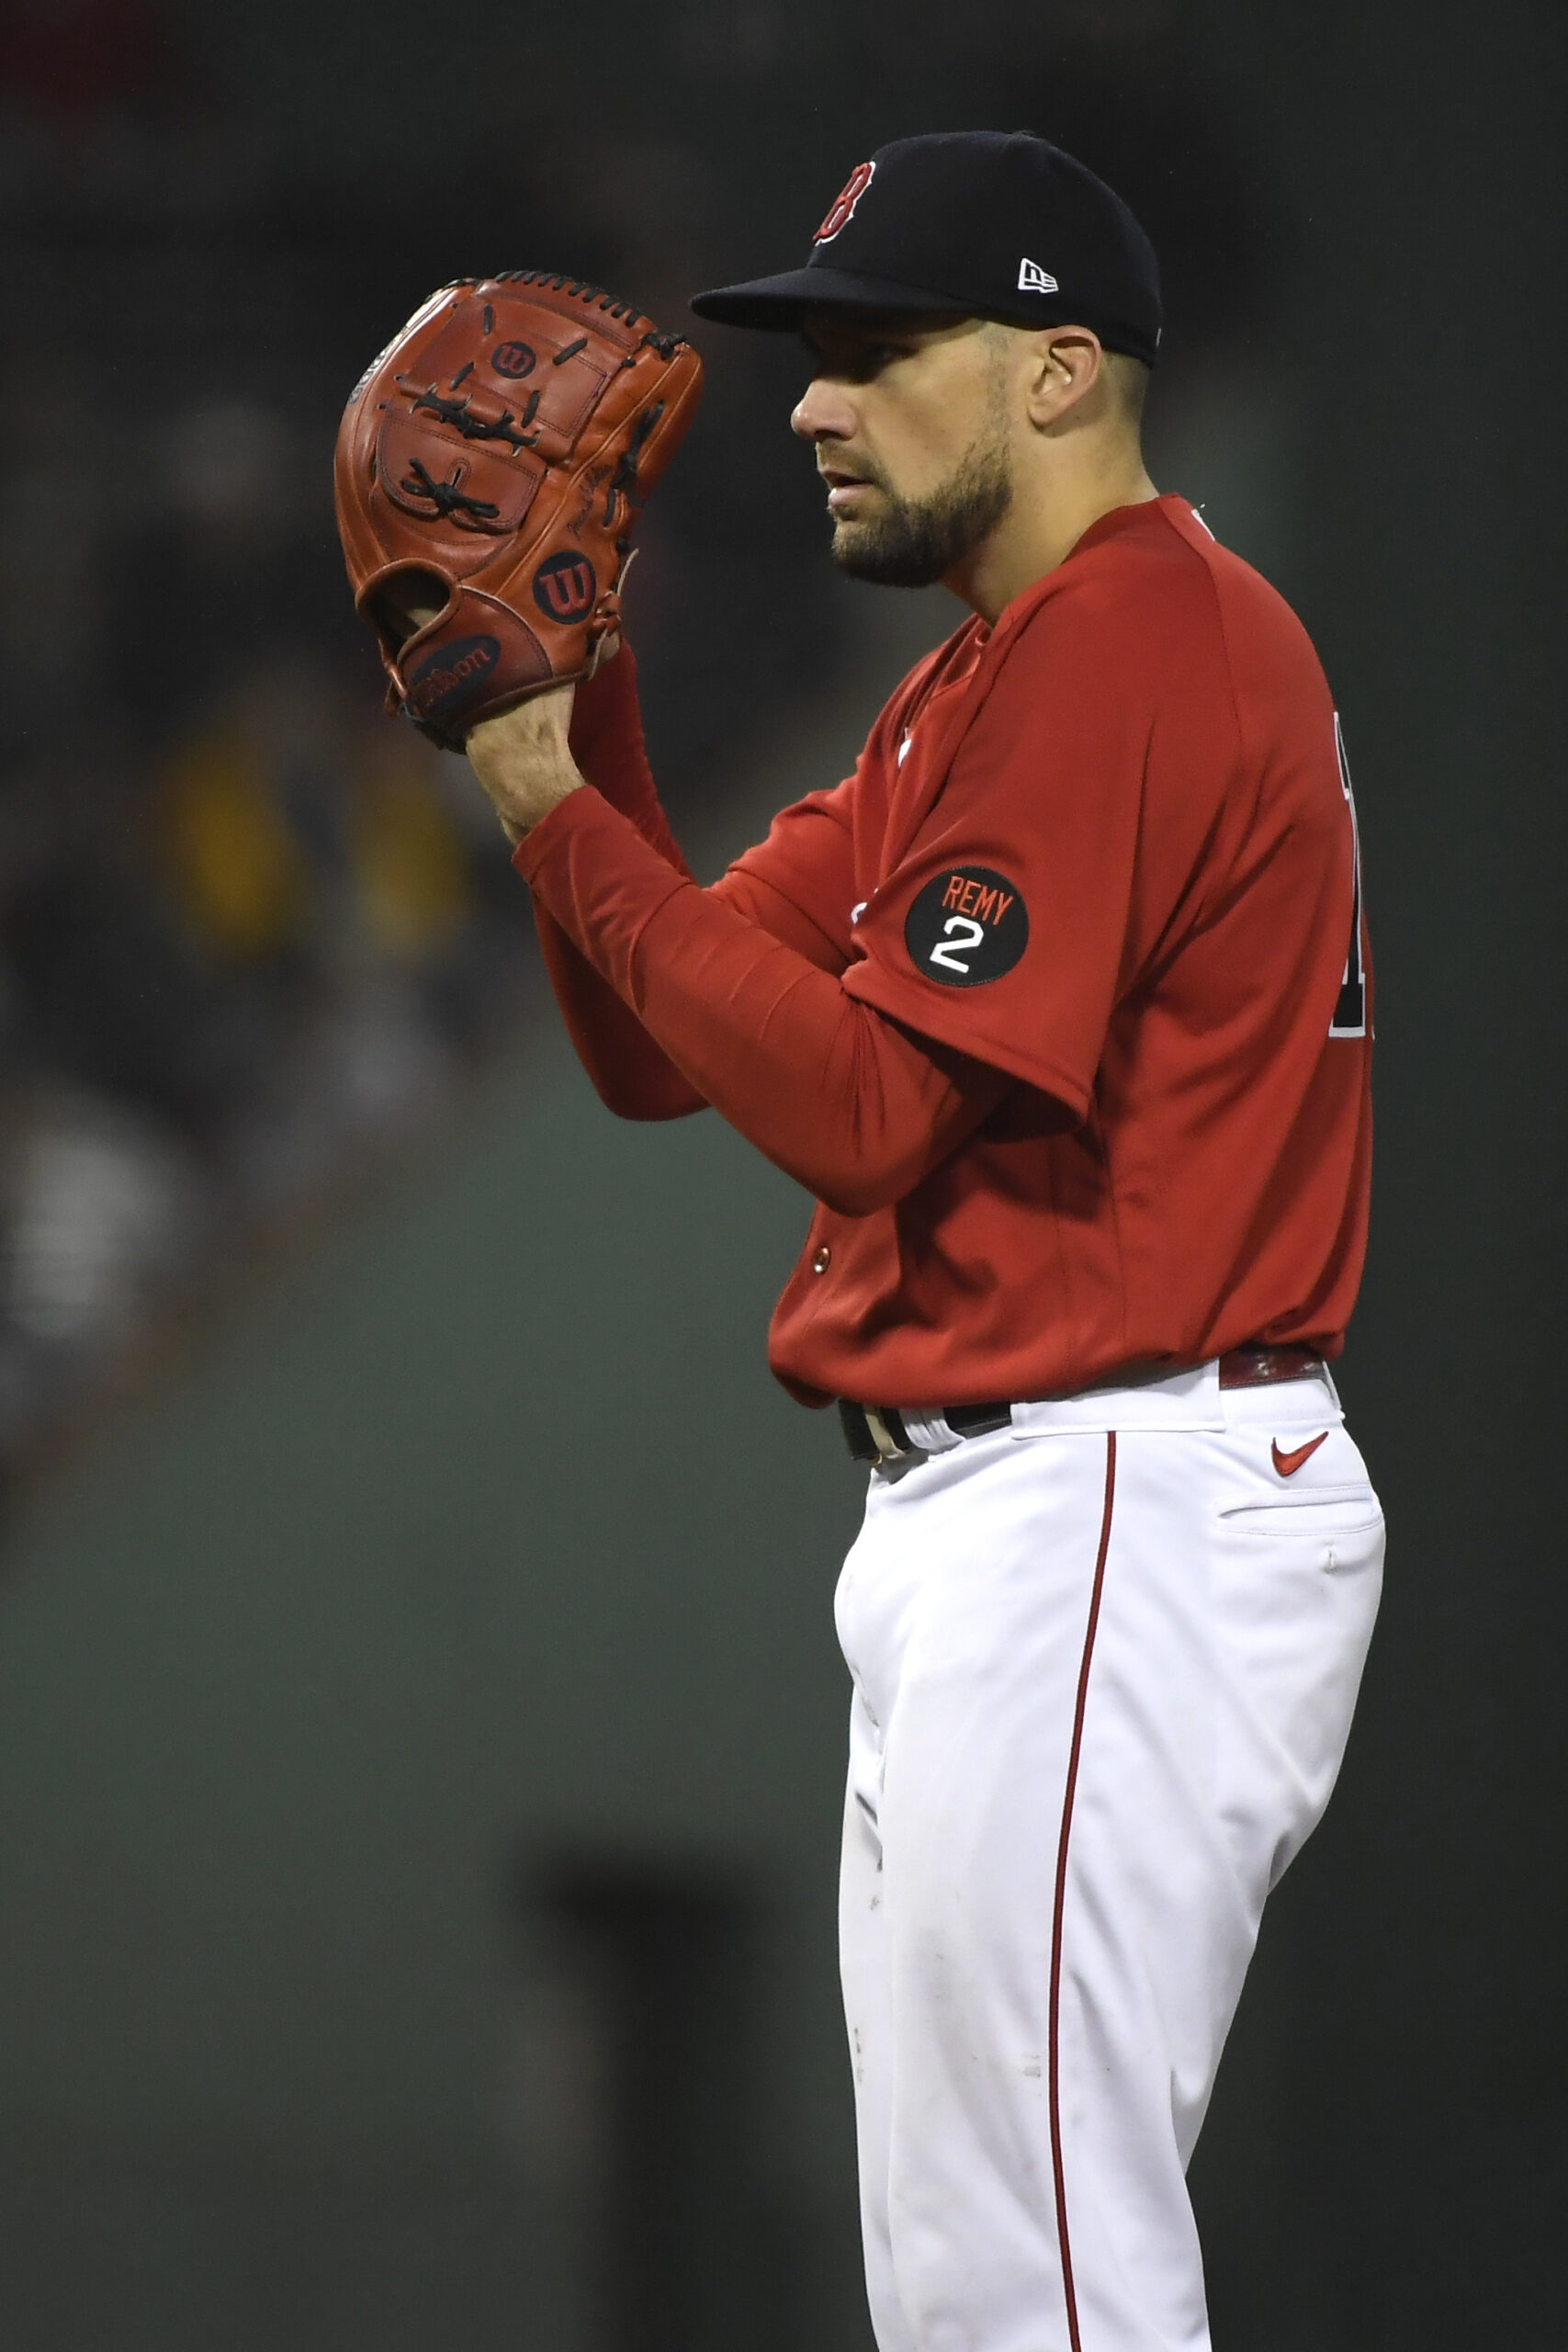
(420, 1727)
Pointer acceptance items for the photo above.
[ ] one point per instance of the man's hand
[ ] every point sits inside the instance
(522, 760)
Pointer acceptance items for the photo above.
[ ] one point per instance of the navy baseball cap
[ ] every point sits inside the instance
(975, 223)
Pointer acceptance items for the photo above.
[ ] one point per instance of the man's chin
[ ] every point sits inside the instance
(863, 552)
(850, 540)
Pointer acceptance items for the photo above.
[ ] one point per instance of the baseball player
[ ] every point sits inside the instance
(1060, 1006)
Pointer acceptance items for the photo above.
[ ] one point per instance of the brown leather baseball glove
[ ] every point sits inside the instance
(490, 466)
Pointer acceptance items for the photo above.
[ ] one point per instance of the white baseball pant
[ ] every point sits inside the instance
(1104, 1666)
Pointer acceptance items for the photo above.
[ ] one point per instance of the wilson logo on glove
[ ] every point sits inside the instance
(512, 359)
(444, 681)
(486, 531)
(565, 587)
(967, 927)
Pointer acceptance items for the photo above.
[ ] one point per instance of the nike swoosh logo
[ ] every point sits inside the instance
(1289, 1464)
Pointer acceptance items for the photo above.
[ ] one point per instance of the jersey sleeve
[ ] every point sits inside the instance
(1062, 844)
(798, 884)
(630, 1074)
(796, 890)
(803, 883)
(837, 1096)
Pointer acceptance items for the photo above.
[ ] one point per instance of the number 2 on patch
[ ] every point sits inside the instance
(1350, 1013)
(967, 936)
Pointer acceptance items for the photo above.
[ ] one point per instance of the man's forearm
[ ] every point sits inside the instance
(631, 1075)
(828, 1090)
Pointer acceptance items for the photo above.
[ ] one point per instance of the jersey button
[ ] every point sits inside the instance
(821, 1259)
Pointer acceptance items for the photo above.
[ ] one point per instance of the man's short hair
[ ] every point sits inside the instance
(1131, 378)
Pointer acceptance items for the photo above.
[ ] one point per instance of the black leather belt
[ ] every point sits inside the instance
(876, 1433)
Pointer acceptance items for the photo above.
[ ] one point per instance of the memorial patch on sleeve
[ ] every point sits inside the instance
(967, 927)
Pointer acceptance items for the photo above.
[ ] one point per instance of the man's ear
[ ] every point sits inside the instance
(1066, 365)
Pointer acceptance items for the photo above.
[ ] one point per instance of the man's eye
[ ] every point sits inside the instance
(859, 360)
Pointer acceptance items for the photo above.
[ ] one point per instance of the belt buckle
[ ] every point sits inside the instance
(874, 1433)
(887, 1447)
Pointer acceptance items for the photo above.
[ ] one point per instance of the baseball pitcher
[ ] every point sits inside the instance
(1060, 1006)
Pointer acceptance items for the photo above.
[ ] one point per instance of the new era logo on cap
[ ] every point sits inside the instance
(1032, 280)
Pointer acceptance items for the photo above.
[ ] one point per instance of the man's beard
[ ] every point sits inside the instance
(916, 541)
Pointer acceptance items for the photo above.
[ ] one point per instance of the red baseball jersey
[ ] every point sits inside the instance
(1108, 848)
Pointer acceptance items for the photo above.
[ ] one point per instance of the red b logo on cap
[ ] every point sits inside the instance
(843, 204)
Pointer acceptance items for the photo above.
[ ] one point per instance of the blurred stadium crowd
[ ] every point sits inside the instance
(252, 932)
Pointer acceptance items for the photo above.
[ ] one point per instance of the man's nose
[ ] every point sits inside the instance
(823, 412)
